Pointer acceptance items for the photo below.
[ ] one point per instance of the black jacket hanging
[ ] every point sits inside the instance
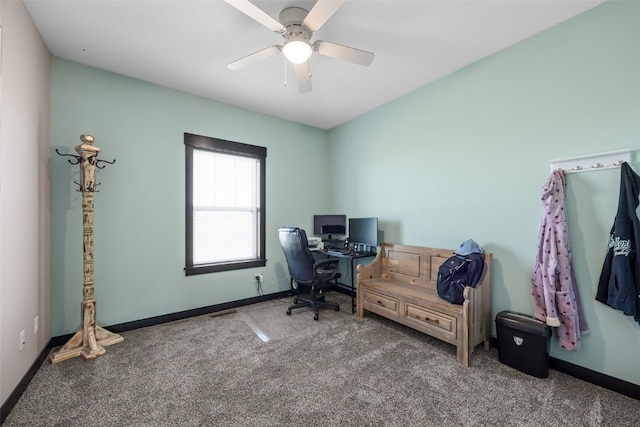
(619, 285)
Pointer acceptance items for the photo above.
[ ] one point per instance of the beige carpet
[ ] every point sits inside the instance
(260, 367)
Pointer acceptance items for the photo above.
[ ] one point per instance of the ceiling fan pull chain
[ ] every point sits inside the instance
(285, 70)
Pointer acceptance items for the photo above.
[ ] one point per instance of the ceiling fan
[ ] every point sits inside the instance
(297, 26)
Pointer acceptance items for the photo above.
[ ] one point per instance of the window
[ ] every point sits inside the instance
(225, 208)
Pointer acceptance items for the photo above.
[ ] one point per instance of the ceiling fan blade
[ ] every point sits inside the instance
(303, 74)
(254, 12)
(321, 12)
(345, 53)
(254, 57)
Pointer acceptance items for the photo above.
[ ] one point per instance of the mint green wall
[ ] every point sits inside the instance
(139, 210)
(466, 157)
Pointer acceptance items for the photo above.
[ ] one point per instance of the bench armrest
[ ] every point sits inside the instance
(371, 270)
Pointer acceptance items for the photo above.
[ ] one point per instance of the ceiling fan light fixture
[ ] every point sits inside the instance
(297, 50)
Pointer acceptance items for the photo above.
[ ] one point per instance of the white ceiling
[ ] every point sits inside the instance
(185, 45)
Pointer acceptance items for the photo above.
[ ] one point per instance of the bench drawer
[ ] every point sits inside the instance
(380, 303)
(429, 320)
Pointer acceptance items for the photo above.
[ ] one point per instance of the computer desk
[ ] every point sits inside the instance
(351, 257)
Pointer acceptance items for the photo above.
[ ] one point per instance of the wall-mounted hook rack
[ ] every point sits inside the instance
(592, 162)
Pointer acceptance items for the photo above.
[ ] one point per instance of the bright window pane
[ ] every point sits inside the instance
(223, 236)
(225, 207)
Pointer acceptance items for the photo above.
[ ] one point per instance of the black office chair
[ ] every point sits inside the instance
(306, 271)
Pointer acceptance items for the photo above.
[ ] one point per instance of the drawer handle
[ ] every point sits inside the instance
(436, 321)
(379, 302)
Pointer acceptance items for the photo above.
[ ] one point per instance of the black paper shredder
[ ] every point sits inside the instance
(523, 343)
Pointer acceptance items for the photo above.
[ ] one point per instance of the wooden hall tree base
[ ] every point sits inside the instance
(74, 347)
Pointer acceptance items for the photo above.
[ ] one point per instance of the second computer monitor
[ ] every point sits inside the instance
(364, 231)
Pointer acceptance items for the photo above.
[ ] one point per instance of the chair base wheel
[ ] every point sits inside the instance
(315, 302)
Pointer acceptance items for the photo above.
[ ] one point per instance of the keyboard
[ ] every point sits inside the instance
(335, 251)
(338, 251)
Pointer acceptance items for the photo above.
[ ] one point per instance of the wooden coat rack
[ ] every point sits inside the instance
(89, 342)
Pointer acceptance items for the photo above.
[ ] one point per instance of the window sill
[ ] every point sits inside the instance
(225, 266)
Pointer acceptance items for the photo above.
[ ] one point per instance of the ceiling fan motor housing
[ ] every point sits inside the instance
(292, 18)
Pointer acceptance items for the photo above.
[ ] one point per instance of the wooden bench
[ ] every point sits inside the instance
(400, 284)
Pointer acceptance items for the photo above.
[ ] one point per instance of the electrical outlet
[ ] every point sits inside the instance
(23, 339)
(36, 324)
(259, 277)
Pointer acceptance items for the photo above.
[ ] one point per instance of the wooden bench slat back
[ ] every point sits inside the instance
(416, 265)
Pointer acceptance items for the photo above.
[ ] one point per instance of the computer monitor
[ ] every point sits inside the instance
(364, 231)
(329, 224)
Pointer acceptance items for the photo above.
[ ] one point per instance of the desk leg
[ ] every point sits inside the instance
(353, 304)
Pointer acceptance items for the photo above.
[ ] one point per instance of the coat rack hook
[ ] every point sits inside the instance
(104, 161)
(93, 160)
(77, 158)
(597, 166)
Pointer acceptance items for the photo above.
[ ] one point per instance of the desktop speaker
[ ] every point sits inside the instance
(332, 229)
